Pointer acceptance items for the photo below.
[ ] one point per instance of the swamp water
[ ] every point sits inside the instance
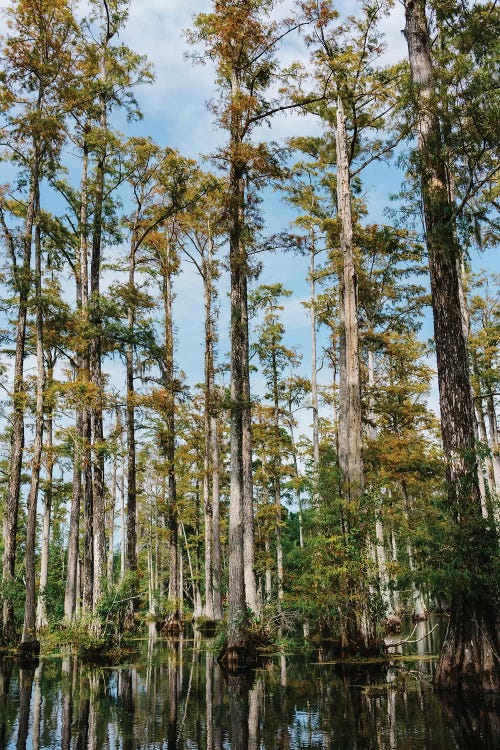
(173, 695)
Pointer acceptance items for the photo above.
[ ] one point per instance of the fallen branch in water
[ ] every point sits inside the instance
(408, 640)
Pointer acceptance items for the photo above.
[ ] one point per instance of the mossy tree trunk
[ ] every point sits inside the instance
(470, 652)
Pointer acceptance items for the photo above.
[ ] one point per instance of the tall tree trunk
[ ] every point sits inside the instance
(248, 515)
(70, 592)
(28, 640)
(99, 506)
(111, 515)
(207, 457)
(466, 330)
(483, 437)
(22, 278)
(382, 569)
(419, 610)
(123, 524)
(277, 482)
(493, 426)
(216, 552)
(41, 612)
(83, 421)
(174, 591)
(469, 656)
(350, 437)
(314, 366)
(297, 477)
(79, 451)
(236, 637)
(131, 451)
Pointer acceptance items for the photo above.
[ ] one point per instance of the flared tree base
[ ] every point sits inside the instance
(28, 652)
(172, 626)
(237, 658)
(470, 658)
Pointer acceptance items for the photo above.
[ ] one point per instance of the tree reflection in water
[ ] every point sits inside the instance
(174, 695)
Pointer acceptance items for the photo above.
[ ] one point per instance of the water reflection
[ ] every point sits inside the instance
(176, 696)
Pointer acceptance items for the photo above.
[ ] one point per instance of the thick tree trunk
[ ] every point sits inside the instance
(29, 641)
(237, 642)
(123, 524)
(268, 580)
(469, 656)
(207, 500)
(70, 593)
(216, 553)
(494, 441)
(314, 378)
(483, 437)
(83, 415)
(41, 611)
(419, 609)
(22, 277)
(297, 477)
(237, 600)
(87, 582)
(382, 569)
(99, 506)
(466, 330)
(174, 587)
(277, 482)
(350, 437)
(131, 450)
(112, 509)
(248, 515)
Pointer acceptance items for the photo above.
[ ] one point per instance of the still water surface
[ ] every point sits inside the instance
(173, 695)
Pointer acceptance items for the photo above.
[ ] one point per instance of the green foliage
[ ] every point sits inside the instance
(113, 608)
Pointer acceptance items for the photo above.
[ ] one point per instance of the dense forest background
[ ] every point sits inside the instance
(286, 460)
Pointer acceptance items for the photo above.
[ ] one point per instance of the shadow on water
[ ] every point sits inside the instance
(473, 721)
(174, 695)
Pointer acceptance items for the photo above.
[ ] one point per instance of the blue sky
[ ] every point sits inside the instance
(175, 114)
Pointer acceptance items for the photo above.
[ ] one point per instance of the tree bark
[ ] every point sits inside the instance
(174, 591)
(216, 552)
(41, 614)
(495, 445)
(314, 378)
(248, 514)
(112, 512)
(207, 458)
(277, 482)
(29, 640)
(469, 656)
(22, 277)
(236, 636)
(83, 421)
(70, 593)
(99, 506)
(350, 437)
(131, 447)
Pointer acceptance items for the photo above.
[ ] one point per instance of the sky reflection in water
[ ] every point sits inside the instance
(174, 696)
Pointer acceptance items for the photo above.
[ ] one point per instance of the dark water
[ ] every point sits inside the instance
(173, 695)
